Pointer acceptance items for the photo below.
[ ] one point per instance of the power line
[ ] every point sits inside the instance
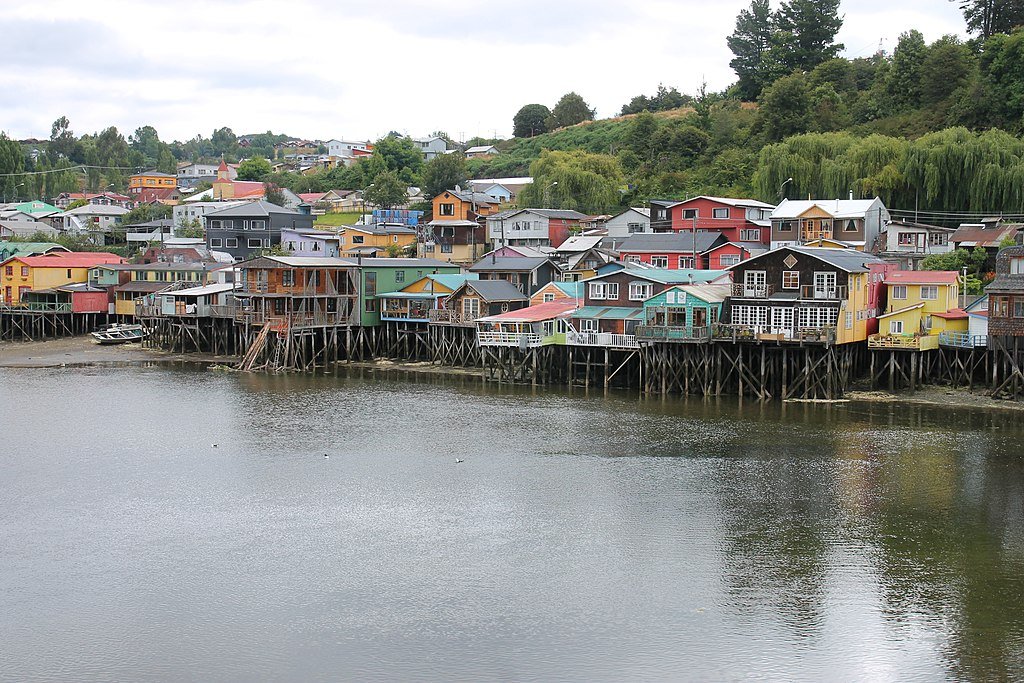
(80, 167)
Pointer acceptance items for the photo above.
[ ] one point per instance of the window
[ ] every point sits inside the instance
(899, 292)
(288, 278)
(895, 327)
(686, 262)
(750, 315)
(358, 239)
(446, 209)
(905, 239)
(227, 224)
(470, 308)
(851, 226)
(215, 242)
(371, 284)
(690, 214)
(720, 213)
(639, 291)
(24, 271)
(399, 276)
(613, 291)
(9, 270)
(632, 258)
(549, 328)
(1001, 309)
(394, 238)
(937, 239)
(588, 325)
(659, 261)
(817, 317)
(446, 248)
(598, 290)
(929, 292)
(548, 296)
(1018, 308)
(849, 320)
(215, 224)
(750, 235)
(428, 248)
(791, 279)
(726, 260)
(371, 305)
(1016, 266)
(634, 227)
(231, 242)
(255, 243)
(786, 226)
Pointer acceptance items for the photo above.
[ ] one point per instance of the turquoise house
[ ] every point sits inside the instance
(683, 313)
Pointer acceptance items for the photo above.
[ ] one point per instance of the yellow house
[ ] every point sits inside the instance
(415, 301)
(919, 306)
(25, 273)
(148, 278)
(370, 239)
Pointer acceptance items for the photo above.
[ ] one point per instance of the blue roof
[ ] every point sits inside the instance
(452, 280)
(570, 289)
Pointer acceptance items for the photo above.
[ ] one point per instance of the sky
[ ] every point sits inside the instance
(324, 69)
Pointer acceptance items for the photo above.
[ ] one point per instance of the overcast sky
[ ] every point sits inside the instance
(343, 69)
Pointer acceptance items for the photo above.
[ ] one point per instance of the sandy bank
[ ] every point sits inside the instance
(82, 351)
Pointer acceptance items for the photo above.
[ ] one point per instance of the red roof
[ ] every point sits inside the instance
(223, 166)
(249, 188)
(74, 259)
(922, 277)
(952, 314)
(538, 312)
(312, 196)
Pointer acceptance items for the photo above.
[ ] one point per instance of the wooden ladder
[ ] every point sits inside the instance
(254, 349)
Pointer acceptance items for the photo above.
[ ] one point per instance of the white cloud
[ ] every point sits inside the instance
(359, 69)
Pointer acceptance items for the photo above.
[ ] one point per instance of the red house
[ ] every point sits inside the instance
(728, 254)
(671, 251)
(740, 220)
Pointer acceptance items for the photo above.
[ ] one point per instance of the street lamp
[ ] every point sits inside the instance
(547, 193)
(783, 187)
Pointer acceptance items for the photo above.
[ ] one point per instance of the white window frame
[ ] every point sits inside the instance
(750, 235)
(640, 291)
(686, 263)
(258, 243)
(930, 289)
(588, 325)
(612, 291)
(598, 291)
(215, 242)
(662, 259)
(717, 212)
(726, 260)
(230, 242)
(548, 297)
(895, 327)
(899, 292)
(791, 286)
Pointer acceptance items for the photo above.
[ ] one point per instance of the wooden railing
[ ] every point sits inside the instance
(40, 306)
(529, 340)
(815, 335)
(405, 314)
(670, 333)
(448, 317)
(962, 340)
(746, 291)
(836, 293)
(903, 341)
(611, 339)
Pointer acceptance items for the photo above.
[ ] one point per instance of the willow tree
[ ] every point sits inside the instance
(574, 180)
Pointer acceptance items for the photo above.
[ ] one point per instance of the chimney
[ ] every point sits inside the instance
(851, 195)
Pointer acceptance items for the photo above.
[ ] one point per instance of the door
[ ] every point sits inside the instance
(824, 285)
(754, 282)
(470, 309)
(700, 317)
(782, 321)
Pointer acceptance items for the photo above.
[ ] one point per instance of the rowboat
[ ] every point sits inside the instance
(119, 334)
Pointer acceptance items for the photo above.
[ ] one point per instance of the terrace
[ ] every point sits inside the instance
(905, 342)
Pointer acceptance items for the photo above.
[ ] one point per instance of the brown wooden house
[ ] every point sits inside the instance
(298, 291)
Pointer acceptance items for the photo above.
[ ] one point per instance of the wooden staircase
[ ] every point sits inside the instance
(254, 349)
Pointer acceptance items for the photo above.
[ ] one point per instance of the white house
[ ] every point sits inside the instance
(908, 243)
(93, 218)
(481, 151)
(531, 227)
(184, 214)
(431, 147)
(630, 221)
(852, 223)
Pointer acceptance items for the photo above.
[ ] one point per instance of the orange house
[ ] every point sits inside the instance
(455, 205)
(151, 180)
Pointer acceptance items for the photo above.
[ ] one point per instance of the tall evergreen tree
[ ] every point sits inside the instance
(808, 31)
(988, 17)
(903, 82)
(751, 43)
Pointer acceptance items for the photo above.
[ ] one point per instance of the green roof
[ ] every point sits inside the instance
(9, 249)
(453, 280)
(609, 312)
(570, 289)
(36, 207)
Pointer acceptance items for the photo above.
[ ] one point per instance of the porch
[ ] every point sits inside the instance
(904, 342)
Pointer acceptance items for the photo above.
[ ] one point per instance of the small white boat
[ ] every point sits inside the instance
(119, 334)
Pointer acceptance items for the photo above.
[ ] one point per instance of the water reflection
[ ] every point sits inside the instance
(585, 536)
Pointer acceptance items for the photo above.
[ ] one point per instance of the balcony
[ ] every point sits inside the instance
(904, 342)
(444, 316)
(521, 340)
(824, 292)
(609, 339)
(748, 291)
(38, 306)
(673, 334)
(963, 340)
(798, 335)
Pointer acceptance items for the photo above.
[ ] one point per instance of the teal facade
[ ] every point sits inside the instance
(381, 277)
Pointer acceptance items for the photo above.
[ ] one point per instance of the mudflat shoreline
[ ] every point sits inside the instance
(83, 352)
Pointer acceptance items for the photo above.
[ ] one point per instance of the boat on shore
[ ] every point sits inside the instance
(119, 334)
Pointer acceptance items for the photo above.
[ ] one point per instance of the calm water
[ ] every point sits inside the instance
(584, 538)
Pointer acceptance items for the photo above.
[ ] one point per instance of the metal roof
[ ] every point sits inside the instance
(496, 290)
(709, 293)
(215, 288)
(922, 277)
(670, 242)
(837, 208)
(680, 276)
(536, 313)
(850, 260)
(508, 263)
(729, 201)
(260, 207)
(609, 312)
